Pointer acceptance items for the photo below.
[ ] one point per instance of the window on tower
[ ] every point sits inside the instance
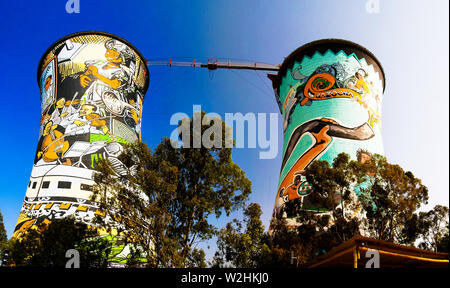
(64, 184)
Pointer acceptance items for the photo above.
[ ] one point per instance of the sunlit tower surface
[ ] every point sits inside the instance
(92, 87)
(330, 95)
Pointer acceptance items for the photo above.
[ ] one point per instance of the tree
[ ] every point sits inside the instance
(442, 245)
(3, 236)
(164, 201)
(328, 217)
(46, 246)
(385, 207)
(3, 239)
(137, 205)
(325, 222)
(285, 243)
(372, 197)
(339, 188)
(239, 247)
(334, 189)
(432, 226)
(390, 200)
(196, 259)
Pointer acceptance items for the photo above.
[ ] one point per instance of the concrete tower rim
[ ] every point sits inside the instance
(333, 44)
(93, 32)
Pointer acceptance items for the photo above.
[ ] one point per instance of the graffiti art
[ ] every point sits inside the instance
(329, 93)
(92, 88)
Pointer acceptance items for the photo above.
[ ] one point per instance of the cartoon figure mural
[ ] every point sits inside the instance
(92, 88)
(329, 93)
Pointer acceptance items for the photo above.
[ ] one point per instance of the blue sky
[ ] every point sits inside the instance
(410, 38)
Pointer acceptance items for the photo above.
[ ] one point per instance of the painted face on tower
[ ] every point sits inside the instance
(113, 56)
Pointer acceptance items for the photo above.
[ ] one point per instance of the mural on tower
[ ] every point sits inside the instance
(330, 100)
(92, 88)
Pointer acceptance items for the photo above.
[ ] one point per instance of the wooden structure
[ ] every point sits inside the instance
(358, 251)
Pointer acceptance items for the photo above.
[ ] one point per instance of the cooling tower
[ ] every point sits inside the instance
(92, 87)
(329, 93)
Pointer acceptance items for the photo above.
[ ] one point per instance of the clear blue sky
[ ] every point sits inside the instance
(410, 38)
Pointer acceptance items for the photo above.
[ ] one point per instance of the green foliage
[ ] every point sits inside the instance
(196, 259)
(3, 239)
(239, 247)
(3, 236)
(387, 200)
(391, 200)
(164, 202)
(333, 186)
(46, 246)
(333, 189)
(286, 243)
(432, 226)
(442, 245)
(136, 206)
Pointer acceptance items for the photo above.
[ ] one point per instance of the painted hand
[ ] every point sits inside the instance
(115, 83)
(85, 81)
(93, 70)
(79, 123)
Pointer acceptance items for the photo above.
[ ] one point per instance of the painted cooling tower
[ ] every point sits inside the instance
(329, 93)
(92, 88)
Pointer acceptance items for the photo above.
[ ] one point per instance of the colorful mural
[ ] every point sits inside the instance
(92, 88)
(329, 93)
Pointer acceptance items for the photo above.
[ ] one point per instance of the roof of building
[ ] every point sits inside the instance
(353, 253)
